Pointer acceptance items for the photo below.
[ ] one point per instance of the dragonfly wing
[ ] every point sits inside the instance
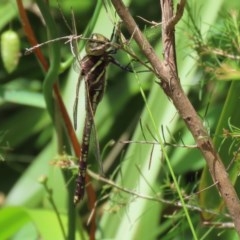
(75, 106)
(76, 65)
(95, 147)
(94, 143)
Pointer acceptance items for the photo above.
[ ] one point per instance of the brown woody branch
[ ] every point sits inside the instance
(166, 71)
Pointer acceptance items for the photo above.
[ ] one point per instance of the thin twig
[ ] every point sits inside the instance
(157, 143)
(150, 198)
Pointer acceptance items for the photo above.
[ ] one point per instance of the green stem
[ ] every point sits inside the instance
(54, 56)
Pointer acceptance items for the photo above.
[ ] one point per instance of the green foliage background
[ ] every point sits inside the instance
(134, 108)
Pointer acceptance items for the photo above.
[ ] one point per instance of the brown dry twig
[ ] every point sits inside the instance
(166, 71)
(152, 198)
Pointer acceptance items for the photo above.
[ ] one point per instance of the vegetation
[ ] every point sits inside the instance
(156, 184)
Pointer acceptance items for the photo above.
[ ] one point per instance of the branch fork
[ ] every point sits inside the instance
(166, 71)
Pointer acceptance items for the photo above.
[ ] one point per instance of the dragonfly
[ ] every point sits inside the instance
(99, 54)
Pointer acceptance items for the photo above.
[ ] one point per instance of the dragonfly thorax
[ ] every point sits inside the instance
(97, 45)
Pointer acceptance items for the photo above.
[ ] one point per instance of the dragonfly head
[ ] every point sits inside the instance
(97, 45)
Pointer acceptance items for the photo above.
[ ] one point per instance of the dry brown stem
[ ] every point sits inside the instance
(166, 71)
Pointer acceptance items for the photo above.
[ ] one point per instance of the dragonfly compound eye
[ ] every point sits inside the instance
(97, 45)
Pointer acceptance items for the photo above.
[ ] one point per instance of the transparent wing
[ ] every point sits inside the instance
(76, 64)
(76, 67)
(75, 106)
(94, 142)
(95, 147)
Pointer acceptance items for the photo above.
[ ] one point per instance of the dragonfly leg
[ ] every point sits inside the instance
(127, 67)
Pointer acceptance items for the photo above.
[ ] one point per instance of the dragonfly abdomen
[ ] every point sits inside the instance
(80, 189)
